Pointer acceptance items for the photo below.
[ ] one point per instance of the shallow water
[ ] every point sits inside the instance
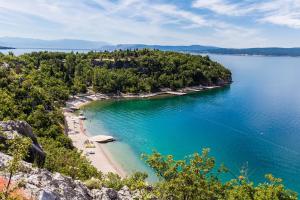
(255, 121)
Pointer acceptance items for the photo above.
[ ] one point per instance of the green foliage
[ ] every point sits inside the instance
(136, 181)
(186, 179)
(197, 178)
(112, 180)
(18, 148)
(93, 183)
(8, 108)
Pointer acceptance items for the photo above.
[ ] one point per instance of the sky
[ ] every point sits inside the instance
(224, 23)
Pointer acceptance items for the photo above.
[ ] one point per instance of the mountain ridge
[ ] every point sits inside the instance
(76, 44)
(2, 47)
(263, 51)
(18, 42)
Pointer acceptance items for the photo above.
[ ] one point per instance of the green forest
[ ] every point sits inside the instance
(35, 86)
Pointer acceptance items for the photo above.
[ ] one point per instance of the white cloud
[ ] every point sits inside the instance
(291, 21)
(279, 12)
(122, 21)
(223, 7)
(285, 13)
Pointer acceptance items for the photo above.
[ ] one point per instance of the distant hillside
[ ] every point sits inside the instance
(50, 44)
(269, 51)
(1, 47)
(272, 51)
(160, 47)
(72, 44)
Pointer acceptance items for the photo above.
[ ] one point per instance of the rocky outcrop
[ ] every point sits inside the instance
(43, 185)
(11, 128)
(4, 65)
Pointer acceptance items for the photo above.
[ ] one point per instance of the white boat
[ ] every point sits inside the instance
(90, 152)
(74, 108)
(102, 138)
(82, 117)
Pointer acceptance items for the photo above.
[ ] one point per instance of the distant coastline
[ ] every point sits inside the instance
(81, 100)
(196, 52)
(1, 47)
(20, 43)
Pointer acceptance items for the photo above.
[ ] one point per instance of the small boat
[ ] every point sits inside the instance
(74, 108)
(90, 152)
(82, 117)
(102, 138)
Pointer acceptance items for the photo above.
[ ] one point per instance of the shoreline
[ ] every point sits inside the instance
(100, 157)
(80, 100)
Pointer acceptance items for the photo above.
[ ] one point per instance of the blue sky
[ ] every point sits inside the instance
(226, 23)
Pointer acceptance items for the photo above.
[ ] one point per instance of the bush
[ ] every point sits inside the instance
(196, 178)
(136, 181)
(112, 180)
(93, 183)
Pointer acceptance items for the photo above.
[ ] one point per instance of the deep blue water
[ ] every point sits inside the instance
(256, 121)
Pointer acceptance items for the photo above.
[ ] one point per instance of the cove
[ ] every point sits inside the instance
(253, 122)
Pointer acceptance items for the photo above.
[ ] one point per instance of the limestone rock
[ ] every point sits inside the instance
(43, 185)
(45, 195)
(10, 128)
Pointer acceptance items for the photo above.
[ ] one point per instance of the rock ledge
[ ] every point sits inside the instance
(43, 185)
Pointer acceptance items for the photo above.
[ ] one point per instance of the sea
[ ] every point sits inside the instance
(252, 125)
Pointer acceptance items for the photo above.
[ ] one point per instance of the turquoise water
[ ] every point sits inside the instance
(255, 121)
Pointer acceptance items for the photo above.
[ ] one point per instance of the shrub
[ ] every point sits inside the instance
(93, 183)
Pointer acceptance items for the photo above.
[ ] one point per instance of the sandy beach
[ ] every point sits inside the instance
(98, 155)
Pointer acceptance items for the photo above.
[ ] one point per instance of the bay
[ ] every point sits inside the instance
(255, 122)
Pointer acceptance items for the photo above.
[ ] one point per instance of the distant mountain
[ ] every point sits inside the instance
(17, 42)
(72, 44)
(160, 47)
(268, 51)
(1, 47)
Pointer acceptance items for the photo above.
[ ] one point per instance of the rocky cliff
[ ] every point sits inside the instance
(21, 128)
(43, 185)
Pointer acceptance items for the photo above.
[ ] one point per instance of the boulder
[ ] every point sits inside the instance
(46, 195)
(112, 194)
(10, 128)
